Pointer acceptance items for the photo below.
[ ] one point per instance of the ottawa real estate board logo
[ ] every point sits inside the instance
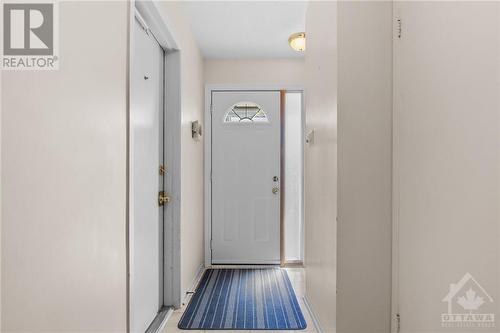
(469, 305)
(30, 36)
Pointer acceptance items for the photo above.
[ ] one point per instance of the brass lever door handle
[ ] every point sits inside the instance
(276, 190)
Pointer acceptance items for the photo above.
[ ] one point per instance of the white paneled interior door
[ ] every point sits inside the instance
(447, 193)
(245, 177)
(146, 127)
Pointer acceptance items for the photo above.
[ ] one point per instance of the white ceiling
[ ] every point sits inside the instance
(246, 29)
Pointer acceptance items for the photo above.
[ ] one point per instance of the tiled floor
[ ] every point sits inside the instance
(297, 277)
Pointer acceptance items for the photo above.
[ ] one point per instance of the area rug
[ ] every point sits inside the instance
(243, 299)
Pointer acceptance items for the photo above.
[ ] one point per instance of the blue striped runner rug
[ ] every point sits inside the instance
(237, 299)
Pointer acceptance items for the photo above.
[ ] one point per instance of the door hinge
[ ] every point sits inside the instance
(211, 175)
(211, 108)
(211, 244)
(399, 28)
(398, 322)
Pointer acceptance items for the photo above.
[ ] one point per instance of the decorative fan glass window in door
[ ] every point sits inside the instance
(245, 112)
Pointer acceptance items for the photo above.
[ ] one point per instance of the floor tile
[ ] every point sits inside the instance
(174, 319)
(178, 330)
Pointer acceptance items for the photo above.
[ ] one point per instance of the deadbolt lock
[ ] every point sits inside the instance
(163, 198)
(162, 169)
(275, 178)
(275, 190)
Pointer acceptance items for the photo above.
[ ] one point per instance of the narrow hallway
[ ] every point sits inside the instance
(250, 165)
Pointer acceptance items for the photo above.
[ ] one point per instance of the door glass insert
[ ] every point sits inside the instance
(245, 112)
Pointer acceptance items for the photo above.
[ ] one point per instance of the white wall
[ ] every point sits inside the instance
(258, 71)
(321, 161)
(365, 159)
(192, 106)
(64, 180)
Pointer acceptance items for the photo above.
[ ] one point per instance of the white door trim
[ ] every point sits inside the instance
(157, 24)
(395, 320)
(207, 197)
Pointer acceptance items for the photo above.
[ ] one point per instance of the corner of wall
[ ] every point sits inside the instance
(321, 162)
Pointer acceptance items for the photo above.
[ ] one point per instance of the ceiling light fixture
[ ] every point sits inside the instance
(297, 41)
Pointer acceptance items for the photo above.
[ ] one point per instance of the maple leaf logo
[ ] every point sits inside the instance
(470, 301)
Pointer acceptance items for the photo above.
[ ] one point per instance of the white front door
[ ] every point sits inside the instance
(246, 177)
(146, 133)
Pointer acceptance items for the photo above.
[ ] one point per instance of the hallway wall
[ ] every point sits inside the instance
(254, 71)
(192, 107)
(64, 180)
(321, 161)
(365, 166)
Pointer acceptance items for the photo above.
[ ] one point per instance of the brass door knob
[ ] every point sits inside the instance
(275, 190)
(163, 198)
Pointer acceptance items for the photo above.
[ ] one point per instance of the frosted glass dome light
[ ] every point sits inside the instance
(297, 41)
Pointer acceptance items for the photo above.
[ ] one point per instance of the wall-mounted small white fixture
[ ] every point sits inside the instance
(196, 129)
(297, 41)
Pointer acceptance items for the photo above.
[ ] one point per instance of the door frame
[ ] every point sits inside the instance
(170, 291)
(207, 161)
(395, 319)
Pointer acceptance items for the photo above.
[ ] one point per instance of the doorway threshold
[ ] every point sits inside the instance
(160, 320)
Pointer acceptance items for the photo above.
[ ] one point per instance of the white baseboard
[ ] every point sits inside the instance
(194, 283)
(312, 314)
